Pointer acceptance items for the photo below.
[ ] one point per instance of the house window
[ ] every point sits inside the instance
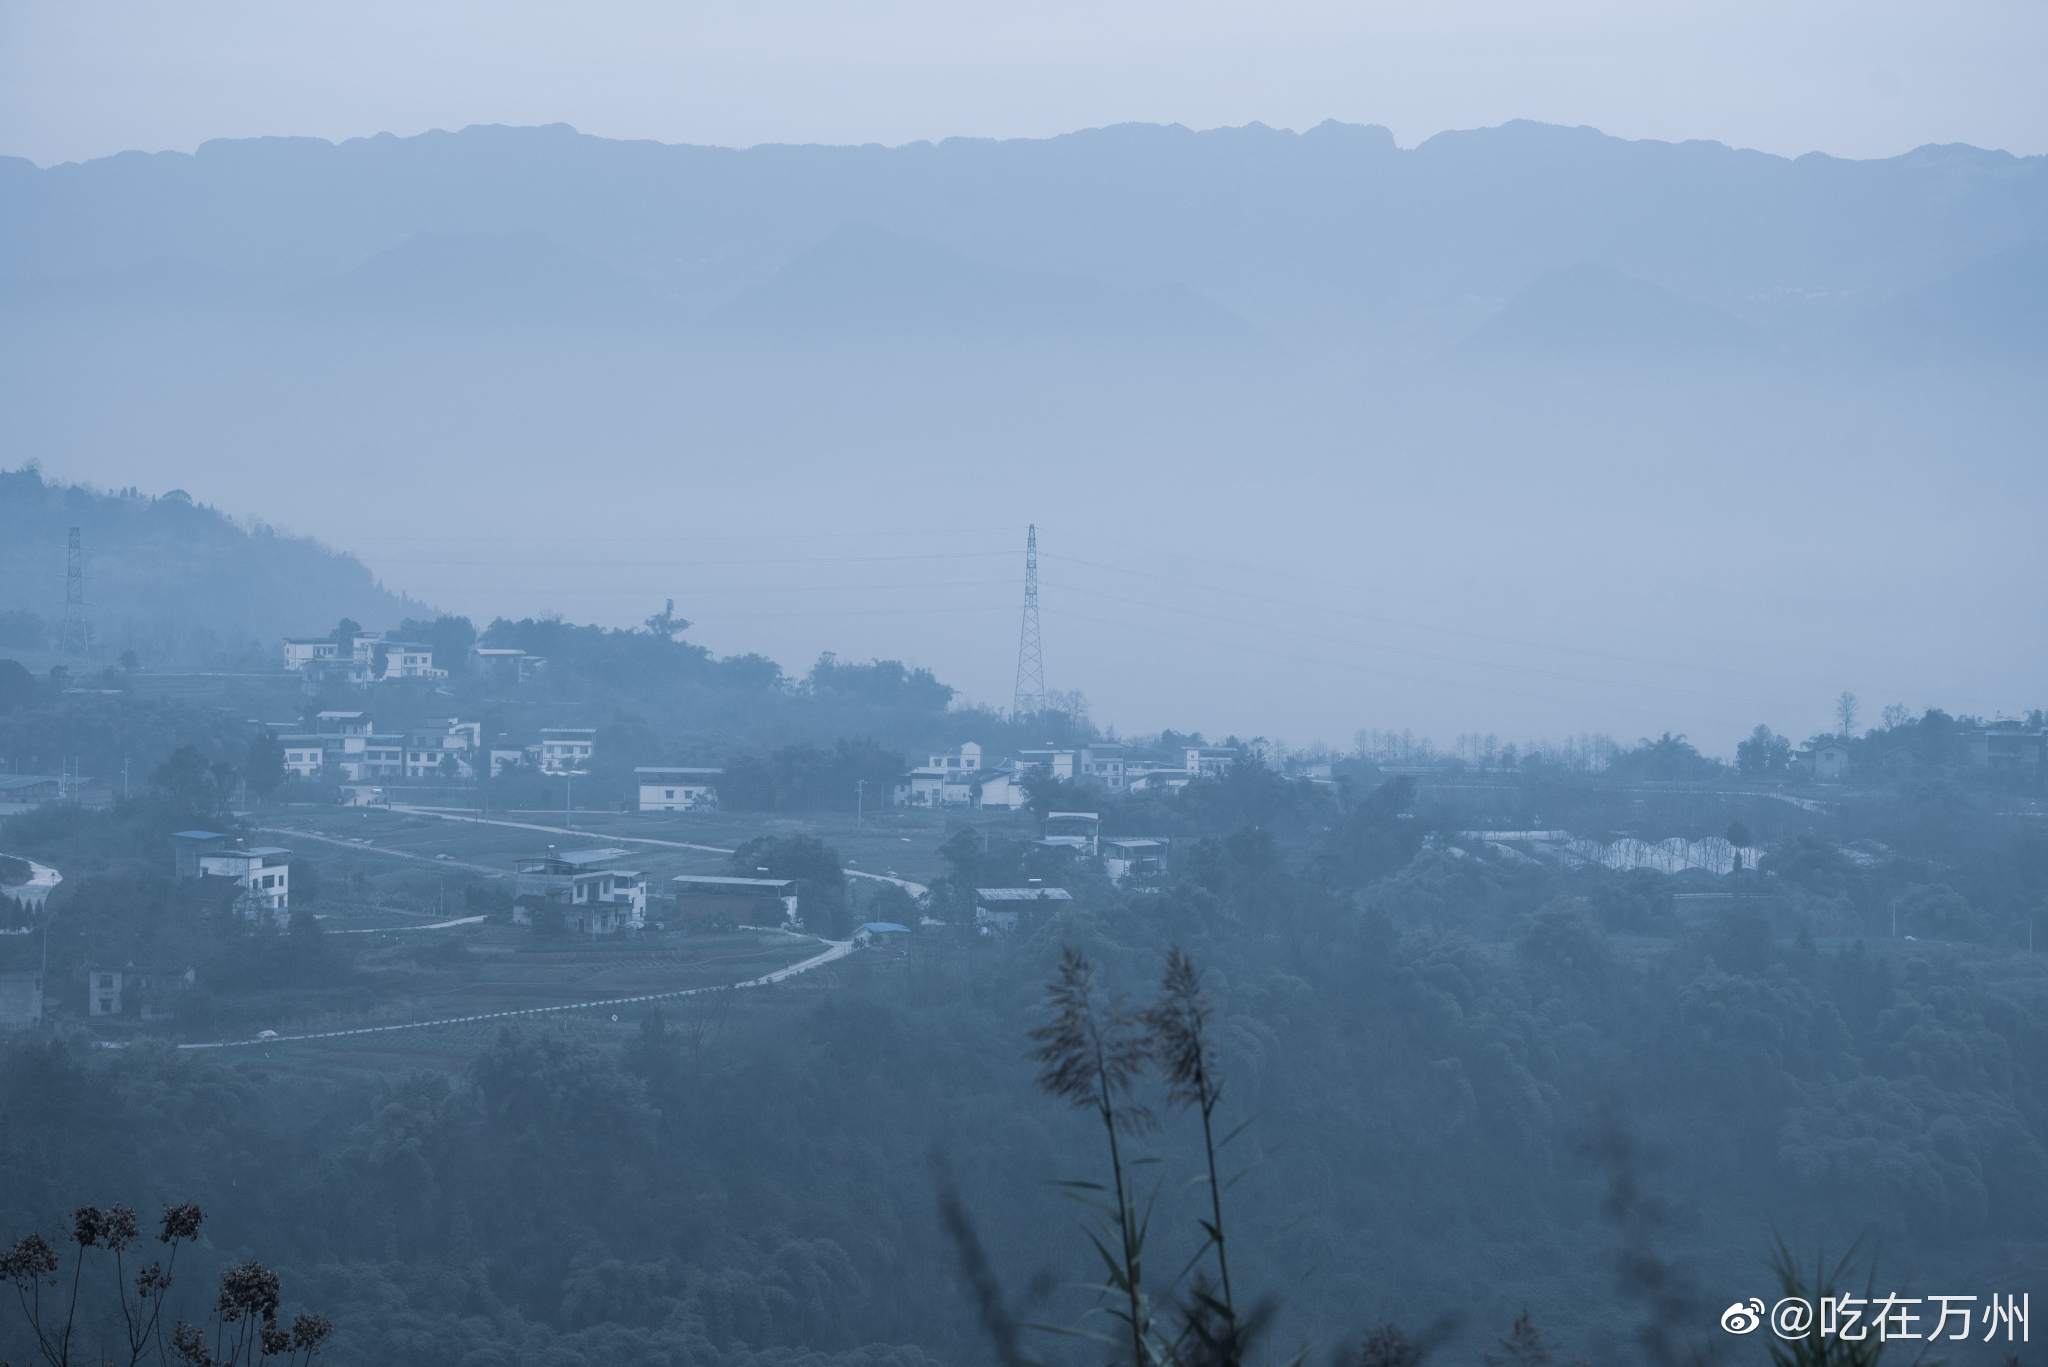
(671, 794)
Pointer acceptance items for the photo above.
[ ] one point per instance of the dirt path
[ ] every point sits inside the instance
(297, 834)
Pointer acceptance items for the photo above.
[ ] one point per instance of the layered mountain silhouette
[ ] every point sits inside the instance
(1591, 310)
(1332, 237)
(862, 282)
(485, 280)
(1994, 307)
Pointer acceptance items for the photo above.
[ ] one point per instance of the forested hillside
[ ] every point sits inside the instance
(178, 583)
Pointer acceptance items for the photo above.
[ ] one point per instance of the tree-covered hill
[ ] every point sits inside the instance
(178, 583)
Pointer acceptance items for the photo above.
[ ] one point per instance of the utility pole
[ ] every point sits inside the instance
(1030, 696)
(76, 636)
(860, 799)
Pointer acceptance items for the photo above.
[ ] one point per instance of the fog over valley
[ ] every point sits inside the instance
(1673, 435)
(1166, 746)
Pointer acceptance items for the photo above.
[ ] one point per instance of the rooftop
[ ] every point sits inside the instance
(582, 857)
(705, 880)
(1024, 894)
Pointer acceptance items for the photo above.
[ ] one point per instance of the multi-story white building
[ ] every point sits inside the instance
(377, 659)
(302, 754)
(566, 749)
(428, 749)
(300, 651)
(1102, 765)
(942, 780)
(366, 658)
(264, 874)
(350, 743)
(677, 790)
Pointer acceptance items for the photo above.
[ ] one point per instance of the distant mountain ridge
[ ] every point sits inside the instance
(1334, 235)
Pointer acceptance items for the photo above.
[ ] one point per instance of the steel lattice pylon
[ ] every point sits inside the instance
(1030, 699)
(77, 636)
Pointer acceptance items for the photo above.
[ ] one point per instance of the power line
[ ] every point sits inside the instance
(695, 564)
(1461, 632)
(1268, 654)
(1401, 650)
(659, 591)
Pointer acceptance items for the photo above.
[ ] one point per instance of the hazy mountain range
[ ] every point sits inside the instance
(1541, 429)
(1333, 237)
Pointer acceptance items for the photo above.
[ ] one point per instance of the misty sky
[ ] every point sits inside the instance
(87, 78)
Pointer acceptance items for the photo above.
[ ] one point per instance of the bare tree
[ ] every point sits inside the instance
(1847, 710)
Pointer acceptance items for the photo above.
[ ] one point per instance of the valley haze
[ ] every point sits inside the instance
(1524, 429)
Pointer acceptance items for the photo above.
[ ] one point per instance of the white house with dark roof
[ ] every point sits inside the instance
(942, 780)
(263, 872)
(301, 651)
(595, 892)
(430, 749)
(1000, 909)
(677, 790)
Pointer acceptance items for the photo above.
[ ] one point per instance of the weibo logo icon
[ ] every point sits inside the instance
(1743, 1317)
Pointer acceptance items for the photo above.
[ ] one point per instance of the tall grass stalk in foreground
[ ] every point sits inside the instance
(1816, 1350)
(1091, 1055)
(1178, 1024)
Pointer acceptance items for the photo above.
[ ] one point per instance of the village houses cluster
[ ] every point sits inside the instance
(346, 745)
(965, 778)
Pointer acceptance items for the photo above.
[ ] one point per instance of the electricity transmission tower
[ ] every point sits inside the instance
(76, 634)
(1030, 698)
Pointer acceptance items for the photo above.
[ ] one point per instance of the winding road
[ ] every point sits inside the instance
(835, 949)
(914, 889)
